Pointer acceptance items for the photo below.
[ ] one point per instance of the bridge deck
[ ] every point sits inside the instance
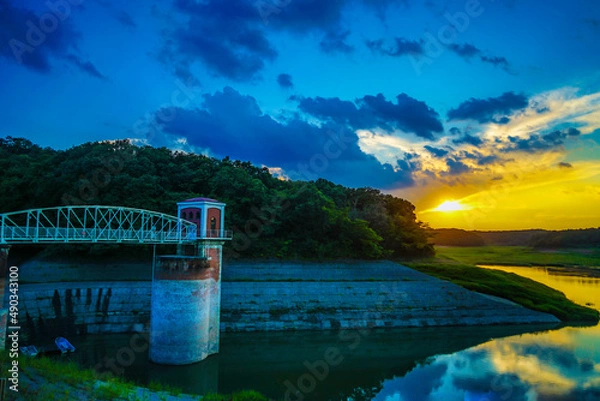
(99, 224)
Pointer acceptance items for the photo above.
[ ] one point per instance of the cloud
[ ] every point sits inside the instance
(437, 152)
(125, 19)
(497, 61)
(401, 47)
(465, 50)
(370, 112)
(227, 38)
(232, 39)
(486, 160)
(336, 43)
(303, 150)
(417, 385)
(469, 140)
(285, 81)
(469, 51)
(539, 143)
(494, 110)
(22, 41)
(86, 67)
(493, 387)
(565, 165)
(456, 167)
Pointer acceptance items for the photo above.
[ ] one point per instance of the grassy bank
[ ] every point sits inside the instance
(456, 264)
(520, 256)
(51, 379)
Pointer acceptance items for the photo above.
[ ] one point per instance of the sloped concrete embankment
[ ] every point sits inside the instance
(277, 296)
(273, 296)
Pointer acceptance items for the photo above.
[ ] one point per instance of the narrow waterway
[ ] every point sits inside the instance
(470, 363)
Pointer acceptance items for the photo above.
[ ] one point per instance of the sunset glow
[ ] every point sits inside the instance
(449, 206)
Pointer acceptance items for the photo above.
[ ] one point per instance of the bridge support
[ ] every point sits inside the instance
(3, 294)
(186, 306)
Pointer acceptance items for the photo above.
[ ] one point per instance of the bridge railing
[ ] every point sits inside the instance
(92, 224)
(216, 234)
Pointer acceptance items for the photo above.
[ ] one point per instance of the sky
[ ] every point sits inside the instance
(484, 114)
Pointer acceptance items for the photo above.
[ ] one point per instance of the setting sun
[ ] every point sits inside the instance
(449, 206)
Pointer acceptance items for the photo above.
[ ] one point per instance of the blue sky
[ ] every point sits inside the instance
(431, 100)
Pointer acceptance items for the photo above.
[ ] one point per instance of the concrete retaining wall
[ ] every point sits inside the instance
(47, 310)
(275, 296)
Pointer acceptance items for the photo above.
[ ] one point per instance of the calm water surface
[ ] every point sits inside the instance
(479, 363)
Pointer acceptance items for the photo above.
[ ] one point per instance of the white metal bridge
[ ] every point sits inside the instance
(98, 224)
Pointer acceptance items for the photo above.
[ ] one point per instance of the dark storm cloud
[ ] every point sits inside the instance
(487, 160)
(538, 143)
(468, 139)
(335, 42)
(22, 39)
(294, 144)
(227, 37)
(406, 114)
(494, 110)
(437, 152)
(456, 167)
(558, 137)
(401, 47)
(231, 38)
(285, 81)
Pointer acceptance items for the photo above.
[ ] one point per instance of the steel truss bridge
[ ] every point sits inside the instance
(98, 224)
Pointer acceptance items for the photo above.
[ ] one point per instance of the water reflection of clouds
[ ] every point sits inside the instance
(521, 368)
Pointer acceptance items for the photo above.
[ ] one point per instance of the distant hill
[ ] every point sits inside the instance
(456, 237)
(589, 237)
(510, 238)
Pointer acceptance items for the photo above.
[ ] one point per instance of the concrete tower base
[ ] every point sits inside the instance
(185, 310)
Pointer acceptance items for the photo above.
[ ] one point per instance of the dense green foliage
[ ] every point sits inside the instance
(270, 217)
(526, 292)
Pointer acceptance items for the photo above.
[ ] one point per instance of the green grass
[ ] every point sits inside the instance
(520, 256)
(526, 292)
(245, 395)
(62, 380)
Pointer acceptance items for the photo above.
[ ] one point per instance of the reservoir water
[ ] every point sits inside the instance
(468, 363)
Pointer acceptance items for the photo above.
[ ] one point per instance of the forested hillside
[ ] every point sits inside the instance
(270, 217)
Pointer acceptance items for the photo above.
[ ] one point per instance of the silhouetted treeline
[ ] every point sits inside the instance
(535, 238)
(456, 237)
(270, 217)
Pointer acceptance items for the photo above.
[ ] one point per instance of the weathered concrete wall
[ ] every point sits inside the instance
(275, 296)
(47, 310)
(344, 295)
(181, 328)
